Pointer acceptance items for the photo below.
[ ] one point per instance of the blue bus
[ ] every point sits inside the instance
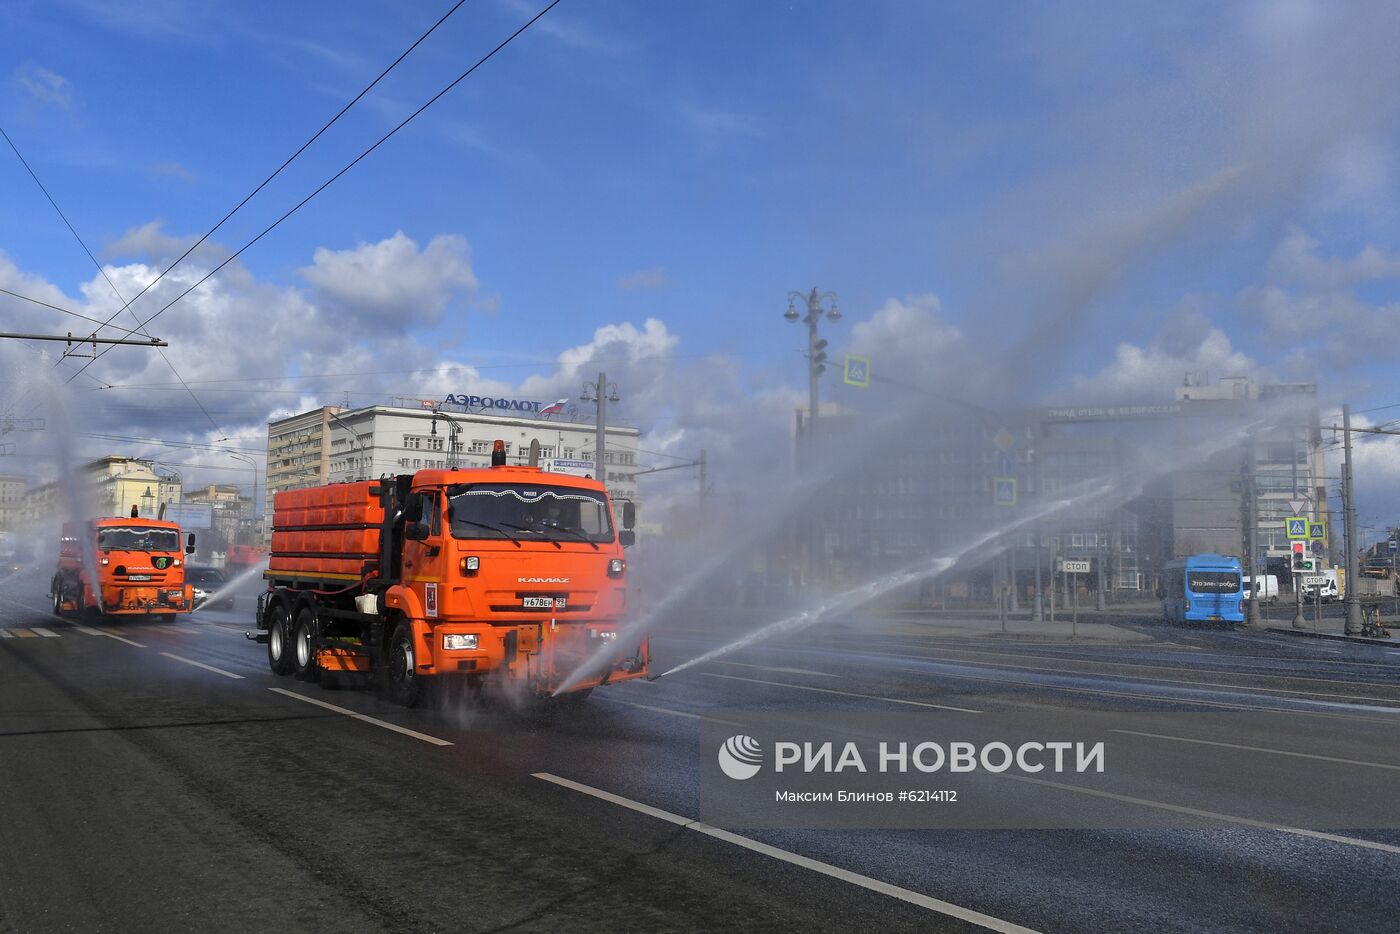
(1202, 589)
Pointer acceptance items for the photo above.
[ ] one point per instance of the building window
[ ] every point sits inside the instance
(417, 463)
(568, 454)
(479, 446)
(412, 442)
(435, 444)
(547, 451)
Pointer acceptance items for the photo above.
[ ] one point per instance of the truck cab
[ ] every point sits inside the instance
(116, 566)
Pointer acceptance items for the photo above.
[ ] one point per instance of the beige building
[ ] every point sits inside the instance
(11, 500)
(232, 514)
(299, 451)
(112, 486)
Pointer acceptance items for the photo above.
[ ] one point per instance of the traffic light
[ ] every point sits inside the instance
(1297, 556)
(819, 356)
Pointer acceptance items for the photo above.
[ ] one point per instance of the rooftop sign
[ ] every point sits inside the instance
(487, 402)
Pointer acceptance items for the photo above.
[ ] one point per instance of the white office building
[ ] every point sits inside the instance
(385, 440)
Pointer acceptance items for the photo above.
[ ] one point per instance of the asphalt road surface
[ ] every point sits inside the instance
(159, 777)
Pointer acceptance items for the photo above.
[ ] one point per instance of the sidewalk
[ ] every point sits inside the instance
(1335, 630)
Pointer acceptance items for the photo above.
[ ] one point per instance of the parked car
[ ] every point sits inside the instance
(207, 582)
(1268, 588)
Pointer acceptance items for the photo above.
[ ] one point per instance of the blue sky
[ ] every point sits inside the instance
(1065, 201)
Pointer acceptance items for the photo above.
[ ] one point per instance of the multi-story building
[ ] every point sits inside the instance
(299, 450)
(328, 445)
(109, 486)
(231, 511)
(11, 500)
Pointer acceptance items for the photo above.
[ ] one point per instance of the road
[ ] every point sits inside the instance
(159, 777)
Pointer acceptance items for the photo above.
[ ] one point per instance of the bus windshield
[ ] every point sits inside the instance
(503, 510)
(1213, 581)
(137, 538)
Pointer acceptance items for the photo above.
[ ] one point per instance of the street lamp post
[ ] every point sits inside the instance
(816, 347)
(601, 392)
(253, 519)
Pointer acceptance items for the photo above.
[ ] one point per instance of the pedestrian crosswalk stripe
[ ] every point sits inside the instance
(25, 634)
(6, 634)
(40, 630)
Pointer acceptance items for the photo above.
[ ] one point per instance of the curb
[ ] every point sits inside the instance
(1309, 634)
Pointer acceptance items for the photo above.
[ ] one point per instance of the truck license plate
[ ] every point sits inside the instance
(138, 577)
(543, 603)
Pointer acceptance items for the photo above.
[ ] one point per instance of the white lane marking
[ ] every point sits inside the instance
(41, 631)
(1169, 698)
(1152, 679)
(24, 634)
(363, 718)
(1212, 815)
(6, 634)
(87, 629)
(789, 671)
(112, 635)
(806, 862)
(676, 713)
(803, 687)
(1276, 752)
(190, 661)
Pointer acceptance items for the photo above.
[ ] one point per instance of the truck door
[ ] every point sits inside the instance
(424, 559)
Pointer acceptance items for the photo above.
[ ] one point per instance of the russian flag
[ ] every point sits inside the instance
(555, 408)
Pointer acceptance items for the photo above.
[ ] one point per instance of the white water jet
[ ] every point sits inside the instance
(238, 581)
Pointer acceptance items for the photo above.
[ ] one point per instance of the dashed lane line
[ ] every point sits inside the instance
(803, 687)
(668, 710)
(806, 862)
(120, 638)
(190, 661)
(363, 718)
(1212, 815)
(1276, 752)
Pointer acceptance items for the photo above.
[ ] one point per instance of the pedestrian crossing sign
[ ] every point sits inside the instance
(1004, 491)
(857, 371)
(1297, 526)
(1317, 531)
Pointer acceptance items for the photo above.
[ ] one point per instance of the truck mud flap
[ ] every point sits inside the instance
(509, 646)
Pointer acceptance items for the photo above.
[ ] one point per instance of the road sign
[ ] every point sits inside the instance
(190, 515)
(1317, 547)
(578, 468)
(1317, 530)
(1296, 526)
(1005, 467)
(1071, 566)
(1004, 491)
(1394, 546)
(1003, 440)
(1298, 505)
(857, 371)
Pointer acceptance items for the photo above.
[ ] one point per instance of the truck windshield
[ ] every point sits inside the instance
(498, 510)
(1213, 581)
(136, 538)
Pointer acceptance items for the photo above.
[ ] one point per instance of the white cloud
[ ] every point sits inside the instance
(45, 87)
(392, 282)
(172, 169)
(1296, 261)
(150, 241)
(1152, 372)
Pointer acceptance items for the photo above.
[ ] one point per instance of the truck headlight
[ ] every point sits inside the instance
(471, 564)
(616, 566)
(459, 641)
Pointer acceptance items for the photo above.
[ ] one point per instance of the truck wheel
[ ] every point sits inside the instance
(303, 651)
(279, 641)
(402, 681)
(57, 590)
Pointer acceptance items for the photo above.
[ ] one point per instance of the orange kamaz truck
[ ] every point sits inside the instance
(496, 573)
(139, 569)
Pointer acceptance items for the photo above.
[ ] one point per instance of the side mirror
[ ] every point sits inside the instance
(627, 538)
(416, 531)
(629, 514)
(189, 544)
